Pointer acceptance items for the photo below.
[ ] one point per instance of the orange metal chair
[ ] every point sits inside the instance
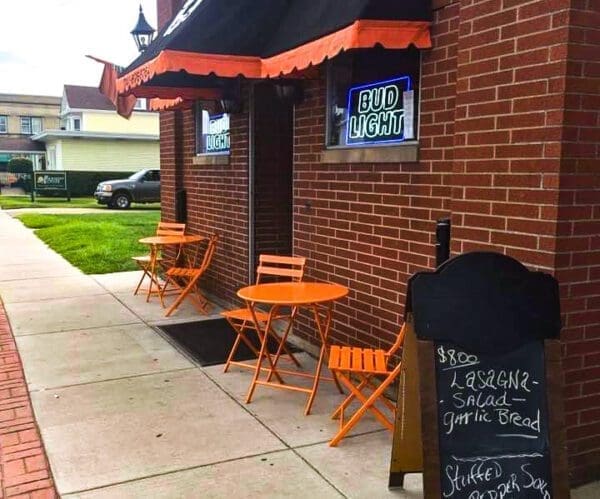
(144, 261)
(185, 280)
(240, 319)
(364, 364)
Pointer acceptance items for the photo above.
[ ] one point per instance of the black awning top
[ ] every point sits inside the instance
(264, 28)
(307, 20)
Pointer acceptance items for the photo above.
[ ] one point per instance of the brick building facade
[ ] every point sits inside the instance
(509, 148)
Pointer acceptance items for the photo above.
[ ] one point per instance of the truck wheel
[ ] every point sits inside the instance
(121, 201)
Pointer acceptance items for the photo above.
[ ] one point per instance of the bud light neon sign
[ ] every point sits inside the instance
(381, 112)
(217, 134)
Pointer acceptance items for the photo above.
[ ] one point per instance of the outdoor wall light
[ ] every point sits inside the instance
(231, 106)
(289, 92)
(143, 33)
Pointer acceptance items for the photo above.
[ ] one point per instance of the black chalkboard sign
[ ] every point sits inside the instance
(485, 325)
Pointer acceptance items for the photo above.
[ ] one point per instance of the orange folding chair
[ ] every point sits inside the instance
(240, 319)
(144, 261)
(364, 365)
(184, 280)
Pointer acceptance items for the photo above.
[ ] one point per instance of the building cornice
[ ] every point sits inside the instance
(47, 135)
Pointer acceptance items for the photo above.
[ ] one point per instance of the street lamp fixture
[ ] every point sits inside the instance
(143, 33)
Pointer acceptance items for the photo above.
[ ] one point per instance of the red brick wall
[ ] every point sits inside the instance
(371, 226)
(510, 81)
(526, 167)
(217, 196)
(509, 146)
(578, 241)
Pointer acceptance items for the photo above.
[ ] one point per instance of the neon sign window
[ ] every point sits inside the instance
(215, 133)
(380, 112)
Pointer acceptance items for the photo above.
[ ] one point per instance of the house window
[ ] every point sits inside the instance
(372, 97)
(30, 125)
(212, 131)
(140, 105)
(76, 124)
(3, 124)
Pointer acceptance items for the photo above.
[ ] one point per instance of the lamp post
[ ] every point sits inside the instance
(143, 33)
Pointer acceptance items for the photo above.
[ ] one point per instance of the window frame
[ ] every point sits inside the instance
(150, 176)
(329, 101)
(41, 129)
(4, 117)
(25, 120)
(30, 120)
(141, 104)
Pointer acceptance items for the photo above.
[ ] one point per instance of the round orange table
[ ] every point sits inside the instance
(319, 297)
(155, 242)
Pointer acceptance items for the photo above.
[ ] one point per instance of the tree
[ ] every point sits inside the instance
(22, 168)
(20, 165)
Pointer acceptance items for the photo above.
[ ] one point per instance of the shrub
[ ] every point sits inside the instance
(83, 183)
(20, 165)
(22, 168)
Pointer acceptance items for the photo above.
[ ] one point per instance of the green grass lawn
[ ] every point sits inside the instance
(15, 202)
(95, 243)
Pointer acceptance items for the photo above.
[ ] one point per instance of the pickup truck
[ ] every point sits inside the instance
(141, 187)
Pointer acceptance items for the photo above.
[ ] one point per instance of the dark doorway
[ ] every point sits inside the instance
(273, 127)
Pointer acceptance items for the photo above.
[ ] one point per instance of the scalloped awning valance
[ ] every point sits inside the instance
(212, 39)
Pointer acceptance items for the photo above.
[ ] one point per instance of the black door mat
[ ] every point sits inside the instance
(210, 342)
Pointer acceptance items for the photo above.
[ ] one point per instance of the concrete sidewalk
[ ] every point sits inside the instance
(123, 413)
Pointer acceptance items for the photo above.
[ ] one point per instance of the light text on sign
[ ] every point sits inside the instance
(51, 180)
(380, 112)
(495, 396)
(217, 136)
(495, 477)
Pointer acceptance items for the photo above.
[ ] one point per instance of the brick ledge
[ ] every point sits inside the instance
(404, 153)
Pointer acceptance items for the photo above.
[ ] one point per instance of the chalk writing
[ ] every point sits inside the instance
(492, 423)
(505, 476)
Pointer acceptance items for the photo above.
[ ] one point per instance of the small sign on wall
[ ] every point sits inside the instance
(381, 112)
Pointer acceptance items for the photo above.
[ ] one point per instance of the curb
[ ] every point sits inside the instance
(24, 468)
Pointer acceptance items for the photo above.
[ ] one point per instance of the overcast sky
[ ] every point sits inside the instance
(43, 43)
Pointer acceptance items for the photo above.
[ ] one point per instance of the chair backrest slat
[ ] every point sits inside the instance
(399, 341)
(208, 254)
(170, 229)
(279, 271)
(285, 260)
(291, 267)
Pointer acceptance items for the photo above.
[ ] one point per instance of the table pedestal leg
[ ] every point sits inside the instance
(264, 351)
(153, 274)
(323, 328)
(153, 254)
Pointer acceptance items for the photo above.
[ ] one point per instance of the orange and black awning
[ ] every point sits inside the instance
(213, 39)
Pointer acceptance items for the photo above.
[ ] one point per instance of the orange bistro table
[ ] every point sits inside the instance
(317, 296)
(155, 242)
